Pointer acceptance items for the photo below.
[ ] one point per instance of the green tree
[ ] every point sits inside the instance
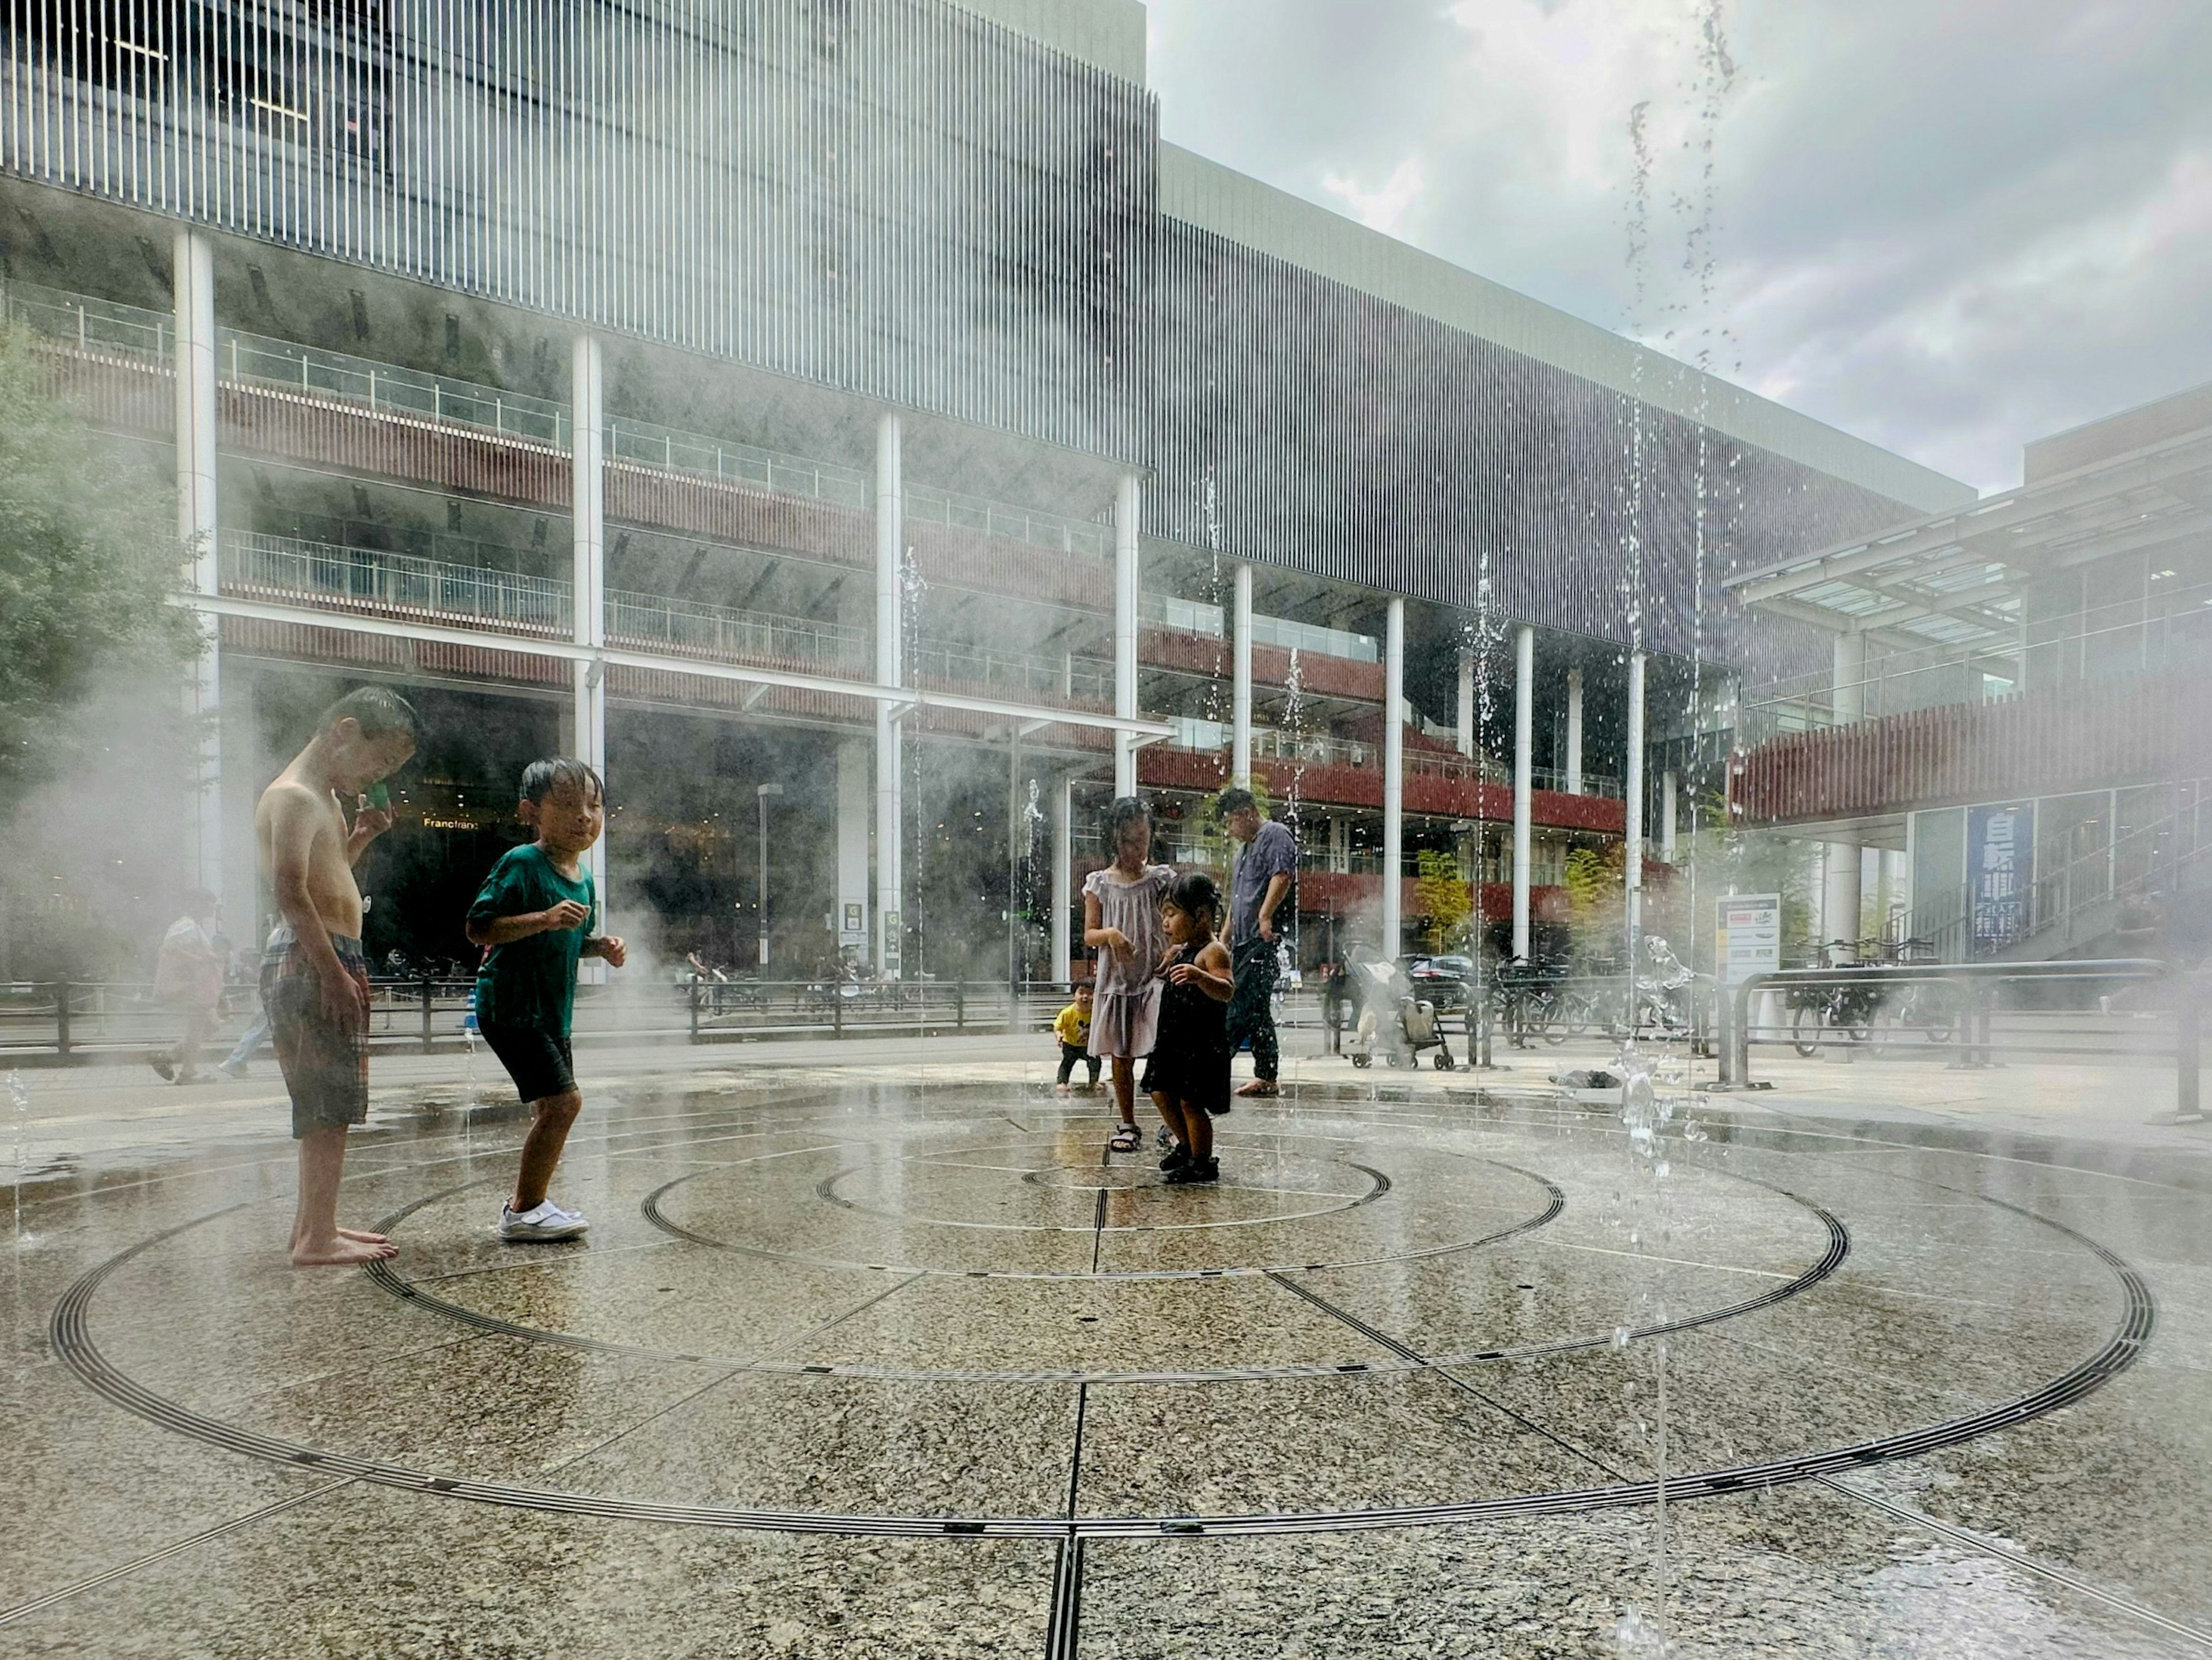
(88, 563)
(1444, 897)
(96, 754)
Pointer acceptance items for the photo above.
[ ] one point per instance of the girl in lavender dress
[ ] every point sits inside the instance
(1122, 922)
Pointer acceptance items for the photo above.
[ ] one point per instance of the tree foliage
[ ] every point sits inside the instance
(88, 560)
(1444, 896)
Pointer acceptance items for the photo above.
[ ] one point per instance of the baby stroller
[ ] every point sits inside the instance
(1392, 1018)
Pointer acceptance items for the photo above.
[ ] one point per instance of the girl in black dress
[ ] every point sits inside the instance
(1187, 1076)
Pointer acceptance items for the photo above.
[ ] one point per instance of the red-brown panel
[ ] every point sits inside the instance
(259, 420)
(112, 392)
(2074, 738)
(951, 558)
(745, 518)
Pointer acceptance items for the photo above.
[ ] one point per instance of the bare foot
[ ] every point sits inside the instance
(340, 1253)
(366, 1237)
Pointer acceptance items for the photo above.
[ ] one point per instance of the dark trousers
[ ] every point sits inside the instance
(1069, 1055)
(1251, 1013)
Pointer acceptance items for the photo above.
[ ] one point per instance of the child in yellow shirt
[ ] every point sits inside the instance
(1073, 1027)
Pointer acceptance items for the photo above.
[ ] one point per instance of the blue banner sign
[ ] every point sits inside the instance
(2000, 864)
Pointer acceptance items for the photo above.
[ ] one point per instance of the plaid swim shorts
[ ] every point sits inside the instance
(325, 1058)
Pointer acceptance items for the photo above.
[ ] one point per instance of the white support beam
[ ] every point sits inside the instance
(891, 552)
(1063, 878)
(1394, 779)
(587, 511)
(198, 523)
(1240, 744)
(1574, 731)
(1139, 733)
(1465, 714)
(1127, 506)
(1632, 783)
(1524, 776)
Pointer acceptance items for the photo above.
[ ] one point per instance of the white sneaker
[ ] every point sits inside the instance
(546, 1221)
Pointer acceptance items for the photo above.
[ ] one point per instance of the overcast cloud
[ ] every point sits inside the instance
(1947, 226)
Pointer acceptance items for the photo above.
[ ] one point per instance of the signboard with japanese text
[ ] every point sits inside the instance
(2000, 864)
(1748, 937)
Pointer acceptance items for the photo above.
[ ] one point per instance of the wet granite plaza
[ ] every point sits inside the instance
(868, 1367)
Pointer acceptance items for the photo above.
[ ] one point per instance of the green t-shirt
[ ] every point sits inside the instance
(531, 981)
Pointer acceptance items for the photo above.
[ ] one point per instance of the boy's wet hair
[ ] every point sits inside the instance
(1195, 895)
(1121, 811)
(541, 778)
(1233, 799)
(378, 711)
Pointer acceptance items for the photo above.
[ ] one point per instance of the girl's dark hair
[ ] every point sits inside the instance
(1123, 810)
(1194, 895)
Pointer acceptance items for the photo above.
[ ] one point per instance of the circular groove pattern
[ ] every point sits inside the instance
(1556, 1196)
(73, 1342)
(826, 1190)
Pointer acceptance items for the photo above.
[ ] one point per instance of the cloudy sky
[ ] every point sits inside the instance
(1947, 226)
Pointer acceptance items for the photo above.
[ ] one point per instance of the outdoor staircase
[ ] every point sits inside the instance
(2110, 901)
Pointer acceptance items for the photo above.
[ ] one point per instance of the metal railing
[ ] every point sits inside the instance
(320, 573)
(2166, 851)
(721, 1010)
(748, 464)
(1197, 616)
(1877, 1007)
(999, 520)
(692, 627)
(1083, 679)
(97, 326)
(257, 359)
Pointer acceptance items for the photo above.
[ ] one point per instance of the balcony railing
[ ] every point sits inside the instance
(359, 577)
(1196, 616)
(737, 463)
(1082, 680)
(257, 359)
(651, 621)
(1310, 637)
(92, 326)
(996, 518)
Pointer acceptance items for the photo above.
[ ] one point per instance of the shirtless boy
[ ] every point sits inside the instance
(314, 984)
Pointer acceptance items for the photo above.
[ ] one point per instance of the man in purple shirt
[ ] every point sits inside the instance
(1264, 874)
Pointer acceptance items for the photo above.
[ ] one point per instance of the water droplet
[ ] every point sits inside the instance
(1620, 1338)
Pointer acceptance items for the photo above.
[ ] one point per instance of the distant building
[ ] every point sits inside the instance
(2009, 753)
(865, 399)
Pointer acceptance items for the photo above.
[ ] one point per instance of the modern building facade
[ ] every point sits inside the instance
(2008, 753)
(851, 425)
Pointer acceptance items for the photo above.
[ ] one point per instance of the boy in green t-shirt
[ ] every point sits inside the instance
(535, 913)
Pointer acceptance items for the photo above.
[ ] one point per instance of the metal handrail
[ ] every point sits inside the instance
(395, 582)
(1735, 1044)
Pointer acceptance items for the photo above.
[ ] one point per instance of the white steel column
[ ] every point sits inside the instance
(890, 547)
(1842, 889)
(1240, 741)
(1524, 779)
(1633, 782)
(1574, 768)
(199, 525)
(851, 922)
(587, 510)
(1394, 779)
(1466, 713)
(1063, 878)
(1127, 504)
(1841, 892)
(1668, 787)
